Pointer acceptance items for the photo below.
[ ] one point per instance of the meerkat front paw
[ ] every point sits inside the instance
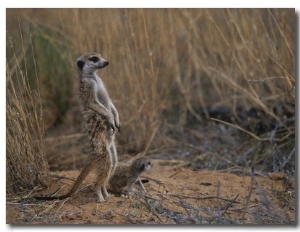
(117, 122)
(116, 116)
(118, 126)
(111, 123)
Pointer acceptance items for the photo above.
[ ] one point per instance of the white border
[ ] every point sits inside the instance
(112, 4)
(151, 4)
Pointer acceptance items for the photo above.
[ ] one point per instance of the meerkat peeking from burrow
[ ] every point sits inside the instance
(126, 175)
(102, 121)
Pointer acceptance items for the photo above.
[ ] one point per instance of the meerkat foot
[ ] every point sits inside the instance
(124, 195)
(102, 193)
(127, 193)
(100, 196)
(105, 193)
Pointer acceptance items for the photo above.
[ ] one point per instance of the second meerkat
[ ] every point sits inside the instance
(126, 175)
(102, 121)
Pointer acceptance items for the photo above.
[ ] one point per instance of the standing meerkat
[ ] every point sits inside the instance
(126, 175)
(102, 121)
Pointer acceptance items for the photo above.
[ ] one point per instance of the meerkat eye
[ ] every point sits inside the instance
(94, 59)
(149, 163)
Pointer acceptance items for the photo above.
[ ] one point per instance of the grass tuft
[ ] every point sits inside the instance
(26, 166)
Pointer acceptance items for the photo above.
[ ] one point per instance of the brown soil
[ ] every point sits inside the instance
(174, 195)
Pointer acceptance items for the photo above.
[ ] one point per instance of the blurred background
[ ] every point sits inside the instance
(202, 88)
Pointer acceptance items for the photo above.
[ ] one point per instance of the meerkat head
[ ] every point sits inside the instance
(142, 164)
(89, 62)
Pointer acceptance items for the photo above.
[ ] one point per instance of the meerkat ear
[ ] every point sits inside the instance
(80, 64)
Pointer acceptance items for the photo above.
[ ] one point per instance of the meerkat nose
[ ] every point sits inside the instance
(106, 62)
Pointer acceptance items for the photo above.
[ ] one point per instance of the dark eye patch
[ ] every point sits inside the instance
(80, 64)
(142, 167)
(94, 59)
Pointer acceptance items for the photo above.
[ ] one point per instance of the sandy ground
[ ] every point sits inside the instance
(174, 195)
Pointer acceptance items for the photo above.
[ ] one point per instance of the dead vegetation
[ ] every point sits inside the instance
(26, 164)
(202, 88)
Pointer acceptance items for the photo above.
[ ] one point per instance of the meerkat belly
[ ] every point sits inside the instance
(97, 128)
(101, 94)
(103, 99)
(132, 180)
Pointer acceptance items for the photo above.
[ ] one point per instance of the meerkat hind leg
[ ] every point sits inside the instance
(101, 190)
(114, 156)
(100, 196)
(104, 192)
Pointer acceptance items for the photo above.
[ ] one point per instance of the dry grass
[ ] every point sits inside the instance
(26, 166)
(168, 68)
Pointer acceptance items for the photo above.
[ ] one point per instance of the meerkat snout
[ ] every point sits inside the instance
(146, 166)
(101, 63)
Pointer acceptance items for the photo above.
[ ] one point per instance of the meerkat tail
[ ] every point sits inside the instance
(85, 171)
